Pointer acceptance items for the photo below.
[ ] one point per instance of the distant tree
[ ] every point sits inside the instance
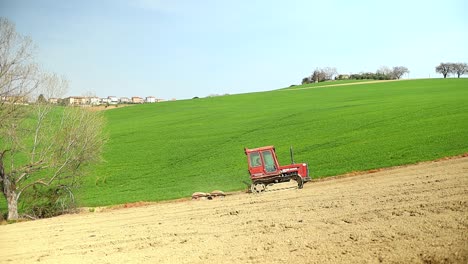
(305, 80)
(384, 72)
(368, 75)
(318, 75)
(355, 76)
(41, 99)
(329, 73)
(444, 68)
(398, 72)
(459, 68)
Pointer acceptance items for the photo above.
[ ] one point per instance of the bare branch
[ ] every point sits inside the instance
(37, 182)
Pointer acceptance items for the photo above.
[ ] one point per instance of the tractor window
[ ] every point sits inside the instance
(255, 160)
(269, 161)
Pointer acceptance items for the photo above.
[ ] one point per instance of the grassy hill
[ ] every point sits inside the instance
(172, 149)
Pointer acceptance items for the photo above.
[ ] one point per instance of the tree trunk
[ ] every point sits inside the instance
(11, 197)
(9, 191)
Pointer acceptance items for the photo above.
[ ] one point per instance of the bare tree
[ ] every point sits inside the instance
(459, 68)
(321, 74)
(318, 75)
(399, 71)
(444, 68)
(41, 146)
(384, 70)
(17, 71)
(329, 72)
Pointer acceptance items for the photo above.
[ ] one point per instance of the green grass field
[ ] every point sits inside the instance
(172, 149)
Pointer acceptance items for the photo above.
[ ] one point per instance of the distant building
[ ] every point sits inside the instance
(93, 100)
(14, 99)
(53, 100)
(150, 99)
(113, 100)
(89, 100)
(137, 100)
(76, 100)
(124, 100)
(105, 101)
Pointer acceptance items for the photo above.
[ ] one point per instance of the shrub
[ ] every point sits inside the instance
(43, 202)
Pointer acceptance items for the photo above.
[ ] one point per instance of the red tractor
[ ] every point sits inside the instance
(265, 170)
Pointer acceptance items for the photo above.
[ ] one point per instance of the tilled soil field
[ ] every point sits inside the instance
(413, 214)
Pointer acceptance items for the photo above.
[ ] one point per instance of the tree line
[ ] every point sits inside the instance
(383, 73)
(447, 68)
(330, 73)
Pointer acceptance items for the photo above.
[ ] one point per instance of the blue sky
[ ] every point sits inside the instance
(185, 48)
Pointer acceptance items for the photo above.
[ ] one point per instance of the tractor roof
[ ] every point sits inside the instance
(258, 149)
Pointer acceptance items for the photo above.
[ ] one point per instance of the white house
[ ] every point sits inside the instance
(113, 100)
(150, 99)
(93, 100)
(124, 100)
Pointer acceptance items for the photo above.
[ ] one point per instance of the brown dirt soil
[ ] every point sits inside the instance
(413, 214)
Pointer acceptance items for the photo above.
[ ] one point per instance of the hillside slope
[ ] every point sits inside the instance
(172, 149)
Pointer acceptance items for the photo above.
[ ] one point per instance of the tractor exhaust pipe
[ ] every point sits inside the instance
(292, 154)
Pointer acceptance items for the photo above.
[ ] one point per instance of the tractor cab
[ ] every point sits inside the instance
(264, 169)
(262, 161)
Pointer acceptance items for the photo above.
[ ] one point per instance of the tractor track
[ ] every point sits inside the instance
(410, 214)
